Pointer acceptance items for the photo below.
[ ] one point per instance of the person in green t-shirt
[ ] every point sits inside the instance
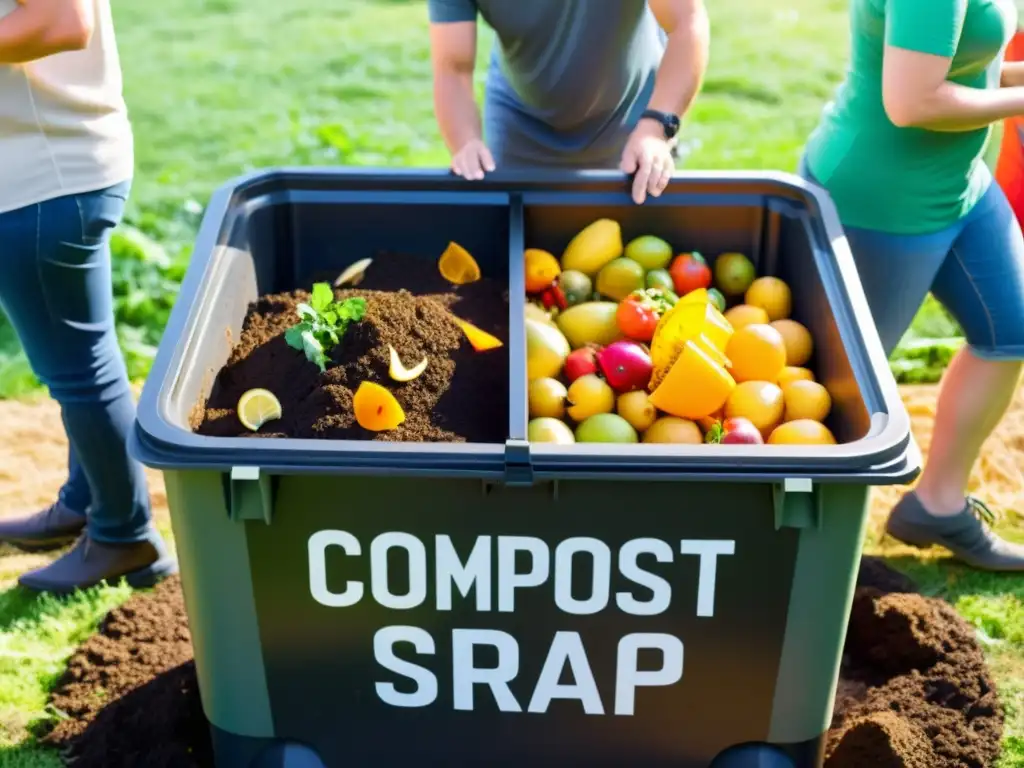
(901, 152)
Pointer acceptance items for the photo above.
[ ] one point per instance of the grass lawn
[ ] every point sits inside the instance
(219, 87)
(242, 85)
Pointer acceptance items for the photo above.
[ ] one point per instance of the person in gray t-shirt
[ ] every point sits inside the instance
(572, 84)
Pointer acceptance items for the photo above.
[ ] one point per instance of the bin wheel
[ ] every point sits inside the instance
(284, 755)
(752, 756)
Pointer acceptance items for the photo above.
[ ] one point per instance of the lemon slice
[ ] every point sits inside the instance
(256, 407)
(399, 372)
(354, 274)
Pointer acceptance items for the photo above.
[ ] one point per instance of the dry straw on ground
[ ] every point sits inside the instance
(33, 456)
(998, 477)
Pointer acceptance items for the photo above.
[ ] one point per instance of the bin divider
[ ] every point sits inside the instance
(517, 416)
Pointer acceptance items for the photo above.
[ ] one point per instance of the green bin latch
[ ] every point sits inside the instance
(518, 463)
(250, 495)
(797, 504)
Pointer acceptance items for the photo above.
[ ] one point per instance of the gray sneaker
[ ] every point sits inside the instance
(50, 528)
(968, 534)
(88, 563)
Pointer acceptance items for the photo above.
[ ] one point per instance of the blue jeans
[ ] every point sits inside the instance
(55, 287)
(975, 268)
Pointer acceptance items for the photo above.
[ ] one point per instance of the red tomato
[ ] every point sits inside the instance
(637, 318)
(554, 297)
(689, 272)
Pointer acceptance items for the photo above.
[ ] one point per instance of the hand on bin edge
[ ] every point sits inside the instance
(473, 160)
(648, 158)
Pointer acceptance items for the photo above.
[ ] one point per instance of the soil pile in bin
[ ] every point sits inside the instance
(914, 691)
(461, 397)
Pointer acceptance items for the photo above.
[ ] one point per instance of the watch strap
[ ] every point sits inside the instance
(669, 122)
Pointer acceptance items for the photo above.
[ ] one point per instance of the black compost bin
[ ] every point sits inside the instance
(357, 603)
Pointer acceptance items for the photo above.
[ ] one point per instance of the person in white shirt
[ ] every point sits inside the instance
(66, 167)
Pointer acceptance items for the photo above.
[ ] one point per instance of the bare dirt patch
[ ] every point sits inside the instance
(34, 459)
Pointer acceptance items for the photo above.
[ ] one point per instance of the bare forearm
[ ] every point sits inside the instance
(683, 66)
(956, 108)
(458, 116)
(29, 33)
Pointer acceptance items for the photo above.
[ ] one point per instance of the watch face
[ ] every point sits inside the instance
(669, 122)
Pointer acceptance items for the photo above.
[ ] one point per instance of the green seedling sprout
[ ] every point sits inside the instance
(323, 322)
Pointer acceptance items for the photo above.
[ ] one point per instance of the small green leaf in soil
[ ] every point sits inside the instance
(322, 323)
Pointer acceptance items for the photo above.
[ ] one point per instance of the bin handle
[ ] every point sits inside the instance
(250, 494)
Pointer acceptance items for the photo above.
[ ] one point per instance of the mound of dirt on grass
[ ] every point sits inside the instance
(461, 396)
(884, 740)
(914, 691)
(130, 694)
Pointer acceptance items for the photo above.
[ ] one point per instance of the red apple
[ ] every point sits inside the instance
(580, 362)
(740, 431)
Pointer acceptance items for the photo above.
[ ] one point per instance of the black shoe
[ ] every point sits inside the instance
(50, 528)
(968, 534)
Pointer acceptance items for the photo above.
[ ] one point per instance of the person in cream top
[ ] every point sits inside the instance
(63, 121)
(66, 166)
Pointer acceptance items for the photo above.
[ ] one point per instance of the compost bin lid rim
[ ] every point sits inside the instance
(512, 181)
(282, 462)
(788, 461)
(160, 438)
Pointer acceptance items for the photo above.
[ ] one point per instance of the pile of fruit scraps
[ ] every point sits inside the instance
(634, 342)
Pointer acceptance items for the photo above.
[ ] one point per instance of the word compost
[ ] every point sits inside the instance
(493, 576)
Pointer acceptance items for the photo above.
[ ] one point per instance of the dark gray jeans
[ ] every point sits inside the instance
(55, 287)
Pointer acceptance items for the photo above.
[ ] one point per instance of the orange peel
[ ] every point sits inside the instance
(458, 266)
(376, 409)
(480, 339)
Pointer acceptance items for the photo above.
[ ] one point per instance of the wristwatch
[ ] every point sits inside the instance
(669, 122)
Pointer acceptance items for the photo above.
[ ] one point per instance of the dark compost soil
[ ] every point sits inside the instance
(914, 693)
(461, 397)
(130, 693)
